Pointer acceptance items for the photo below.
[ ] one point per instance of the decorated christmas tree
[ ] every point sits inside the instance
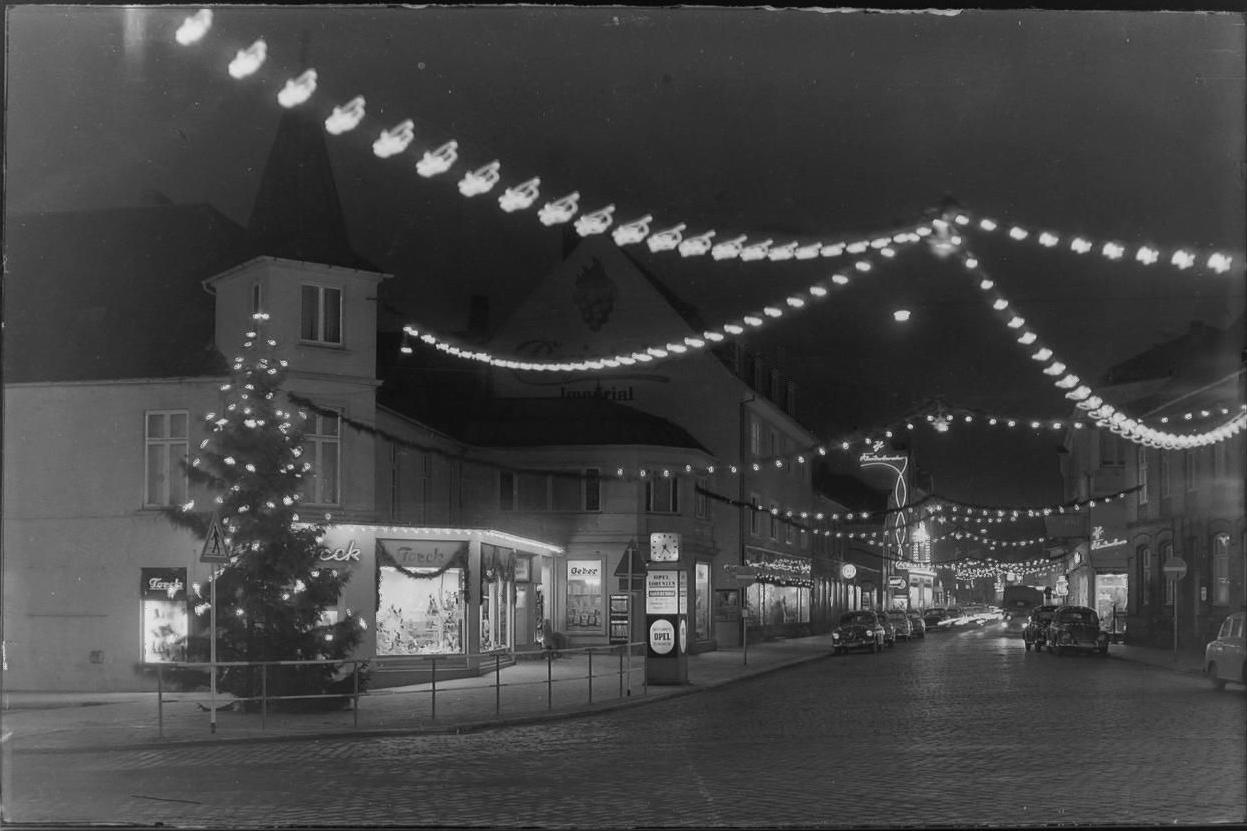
(276, 599)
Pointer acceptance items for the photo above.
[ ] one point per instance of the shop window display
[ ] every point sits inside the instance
(497, 596)
(585, 609)
(701, 605)
(165, 618)
(419, 615)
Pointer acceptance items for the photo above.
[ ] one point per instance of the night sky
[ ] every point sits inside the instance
(790, 124)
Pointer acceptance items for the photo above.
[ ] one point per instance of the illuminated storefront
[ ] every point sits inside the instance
(782, 592)
(443, 591)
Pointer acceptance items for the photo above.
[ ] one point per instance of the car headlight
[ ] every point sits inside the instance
(835, 636)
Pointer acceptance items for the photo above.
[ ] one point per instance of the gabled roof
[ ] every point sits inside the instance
(538, 422)
(115, 293)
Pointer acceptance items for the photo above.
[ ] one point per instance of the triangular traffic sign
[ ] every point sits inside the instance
(214, 550)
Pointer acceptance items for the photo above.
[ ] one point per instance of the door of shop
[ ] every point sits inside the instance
(525, 623)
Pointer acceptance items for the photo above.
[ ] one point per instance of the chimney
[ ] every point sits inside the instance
(478, 318)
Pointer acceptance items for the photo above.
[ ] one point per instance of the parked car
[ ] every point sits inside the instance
(1036, 631)
(1225, 659)
(932, 617)
(1076, 627)
(918, 627)
(889, 631)
(858, 630)
(900, 623)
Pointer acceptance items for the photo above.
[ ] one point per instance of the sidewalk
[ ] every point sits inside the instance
(528, 691)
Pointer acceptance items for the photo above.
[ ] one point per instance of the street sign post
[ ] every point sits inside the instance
(745, 577)
(1175, 570)
(214, 551)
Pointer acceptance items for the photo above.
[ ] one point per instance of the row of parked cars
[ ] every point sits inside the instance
(873, 630)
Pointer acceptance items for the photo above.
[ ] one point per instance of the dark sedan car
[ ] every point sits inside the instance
(934, 616)
(1076, 627)
(918, 628)
(858, 630)
(900, 623)
(1036, 632)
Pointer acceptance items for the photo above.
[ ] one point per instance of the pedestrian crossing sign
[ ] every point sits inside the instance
(214, 550)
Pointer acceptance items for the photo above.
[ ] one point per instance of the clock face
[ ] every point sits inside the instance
(664, 547)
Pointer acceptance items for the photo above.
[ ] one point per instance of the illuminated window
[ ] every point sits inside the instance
(1221, 570)
(165, 450)
(322, 315)
(322, 449)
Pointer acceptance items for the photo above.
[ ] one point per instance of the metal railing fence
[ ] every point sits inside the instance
(614, 671)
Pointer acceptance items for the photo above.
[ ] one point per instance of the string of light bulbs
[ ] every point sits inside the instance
(1181, 258)
(396, 140)
(1083, 395)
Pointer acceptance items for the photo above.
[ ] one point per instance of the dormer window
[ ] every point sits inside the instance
(322, 315)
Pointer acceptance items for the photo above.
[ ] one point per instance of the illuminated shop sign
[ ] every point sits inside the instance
(1098, 541)
(163, 584)
(347, 554)
(432, 555)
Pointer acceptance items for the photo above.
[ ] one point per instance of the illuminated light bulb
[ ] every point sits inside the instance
(900, 315)
(481, 180)
(248, 60)
(857, 247)
(1000, 304)
(393, 141)
(521, 196)
(595, 222)
(987, 225)
(696, 343)
(1147, 256)
(676, 348)
(807, 252)
(732, 328)
(756, 251)
(1112, 250)
(1027, 338)
(667, 239)
(1220, 263)
(992, 422)
(779, 462)
(756, 467)
(560, 210)
(713, 336)
(194, 27)
(771, 311)
(297, 90)
(1035, 425)
(862, 265)
(838, 279)
(1018, 233)
(1079, 394)
(634, 231)
(1016, 322)
(1054, 368)
(795, 302)
(833, 250)
(346, 117)
(1043, 354)
(888, 252)
(1182, 259)
(1187, 416)
(784, 252)
(696, 246)
(1012, 423)
(427, 338)
(642, 357)
(438, 161)
(752, 320)
(1048, 239)
(986, 284)
(710, 468)
(728, 249)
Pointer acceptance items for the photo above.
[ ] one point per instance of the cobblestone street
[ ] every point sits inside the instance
(962, 728)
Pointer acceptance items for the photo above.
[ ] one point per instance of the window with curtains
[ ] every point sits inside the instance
(322, 450)
(592, 489)
(321, 318)
(662, 495)
(1111, 450)
(165, 451)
